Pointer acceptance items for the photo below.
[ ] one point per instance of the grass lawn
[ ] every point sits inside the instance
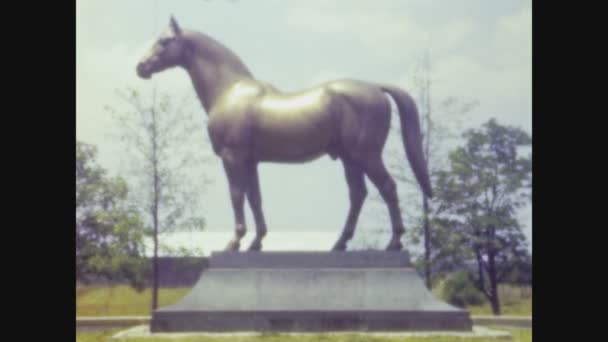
(514, 301)
(519, 335)
(521, 308)
(122, 300)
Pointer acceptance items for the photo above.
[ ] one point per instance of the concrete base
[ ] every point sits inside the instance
(142, 332)
(101, 323)
(310, 292)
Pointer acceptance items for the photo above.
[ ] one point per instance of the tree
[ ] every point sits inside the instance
(479, 195)
(108, 229)
(162, 147)
(439, 121)
(519, 271)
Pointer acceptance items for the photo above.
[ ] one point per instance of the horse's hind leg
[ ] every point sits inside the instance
(376, 171)
(358, 192)
(255, 202)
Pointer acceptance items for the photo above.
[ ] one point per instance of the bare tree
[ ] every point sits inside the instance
(165, 149)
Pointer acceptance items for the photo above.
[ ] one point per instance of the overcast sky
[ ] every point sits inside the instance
(481, 50)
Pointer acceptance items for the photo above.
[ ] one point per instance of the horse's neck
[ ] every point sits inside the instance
(213, 68)
(211, 81)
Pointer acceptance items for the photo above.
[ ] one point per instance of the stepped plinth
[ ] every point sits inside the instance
(310, 291)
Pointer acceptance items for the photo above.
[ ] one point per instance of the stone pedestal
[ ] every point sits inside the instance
(301, 291)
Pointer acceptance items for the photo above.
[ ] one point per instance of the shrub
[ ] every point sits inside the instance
(460, 291)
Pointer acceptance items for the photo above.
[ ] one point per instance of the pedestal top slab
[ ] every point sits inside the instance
(354, 259)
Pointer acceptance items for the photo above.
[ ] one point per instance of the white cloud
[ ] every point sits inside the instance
(503, 92)
(451, 35)
(513, 38)
(391, 36)
(377, 31)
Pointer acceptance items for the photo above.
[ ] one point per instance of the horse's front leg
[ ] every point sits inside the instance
(236, 171)
(255, 202)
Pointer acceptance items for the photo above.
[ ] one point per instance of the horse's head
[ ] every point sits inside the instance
(168, 51)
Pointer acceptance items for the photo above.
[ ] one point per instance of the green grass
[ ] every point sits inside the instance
(519, 335)
(514, 301)
(96, 336)
(521, 308)
(122, 300)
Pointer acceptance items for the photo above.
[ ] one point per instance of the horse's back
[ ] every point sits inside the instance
(300, 126)
(320, 100)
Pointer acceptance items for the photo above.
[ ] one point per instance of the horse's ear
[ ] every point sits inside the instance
(175, 27)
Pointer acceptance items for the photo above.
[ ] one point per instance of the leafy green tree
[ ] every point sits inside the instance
(445, 252)
(108, 229)
(519, 272)
(163, 142)
(487, 182)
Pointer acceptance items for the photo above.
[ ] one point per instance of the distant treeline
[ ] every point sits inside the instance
(173, 272)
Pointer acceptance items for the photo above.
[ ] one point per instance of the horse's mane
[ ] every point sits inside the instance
(216, 51)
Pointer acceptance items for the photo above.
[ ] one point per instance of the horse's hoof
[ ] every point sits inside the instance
(394, 245)
(339, 246)
(233, 246)
(255, 246)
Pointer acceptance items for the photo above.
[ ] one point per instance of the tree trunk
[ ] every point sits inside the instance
(480, 277)
(155, 267)
(155, 206)
(427, 244)
(427, 145)
(494, 300)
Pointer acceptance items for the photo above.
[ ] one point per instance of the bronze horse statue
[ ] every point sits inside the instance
(250, 122)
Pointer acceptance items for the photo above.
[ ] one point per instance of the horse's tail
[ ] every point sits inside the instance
(411, 135)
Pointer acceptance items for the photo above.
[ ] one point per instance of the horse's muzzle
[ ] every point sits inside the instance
(143, 71)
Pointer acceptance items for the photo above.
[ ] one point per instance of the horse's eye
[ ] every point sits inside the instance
(164, 42)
